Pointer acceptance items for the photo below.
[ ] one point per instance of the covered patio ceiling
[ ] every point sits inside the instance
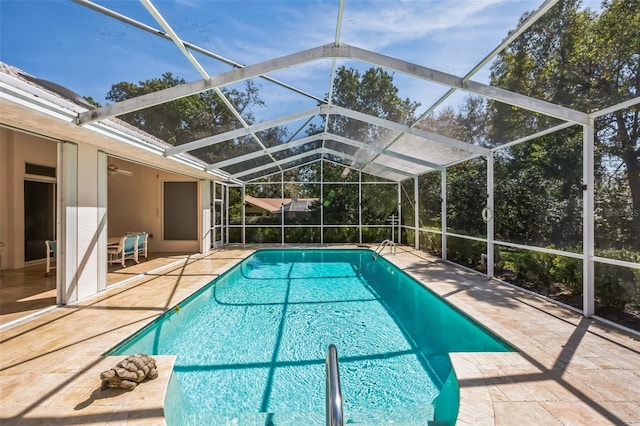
(398, 152)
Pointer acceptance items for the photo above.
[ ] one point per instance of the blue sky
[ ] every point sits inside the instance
(87, 52)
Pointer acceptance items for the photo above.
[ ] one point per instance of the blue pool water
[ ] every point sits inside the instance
(251, 346)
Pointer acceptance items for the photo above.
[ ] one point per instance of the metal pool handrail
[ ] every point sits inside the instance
(334, 392)
(381, 247)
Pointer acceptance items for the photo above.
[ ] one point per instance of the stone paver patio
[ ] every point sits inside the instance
(568, 370)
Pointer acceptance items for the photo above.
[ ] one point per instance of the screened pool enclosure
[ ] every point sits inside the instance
(509, 146)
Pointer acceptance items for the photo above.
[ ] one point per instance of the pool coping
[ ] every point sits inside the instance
(570, 369)
(566, 368)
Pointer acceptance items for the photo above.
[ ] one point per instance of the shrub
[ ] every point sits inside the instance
(535, 266)
(568, 271)
(617, 286)
(465, 252)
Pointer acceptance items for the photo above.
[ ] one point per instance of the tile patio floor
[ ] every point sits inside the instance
(568, 370)
(28, 291)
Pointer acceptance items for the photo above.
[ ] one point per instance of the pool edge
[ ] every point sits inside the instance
(475, 406)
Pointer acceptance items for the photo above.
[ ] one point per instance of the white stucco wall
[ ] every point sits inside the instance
(205, 216)
(4, 184)
(16, 149)
(91, 208)
(135, 204)
(88, 230)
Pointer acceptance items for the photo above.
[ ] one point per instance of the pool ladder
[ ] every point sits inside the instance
(381, 247)
(334, 392)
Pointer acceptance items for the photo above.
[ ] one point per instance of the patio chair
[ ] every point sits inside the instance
(127, 248)
(143, 238)
(51, 255)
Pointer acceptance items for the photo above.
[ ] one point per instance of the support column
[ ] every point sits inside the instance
(321, 202)
(244, 239)
(91, 231)
(416, 224)
(102, 226)
(205, 190)
(399, 213)
(67, 223)
(282, 215)
(360, 206)
(443, 211)
(226, 216)
(7, 188)
(588, 203)
(224, 222)
(490, 216)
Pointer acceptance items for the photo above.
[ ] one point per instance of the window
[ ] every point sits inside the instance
(180, 210)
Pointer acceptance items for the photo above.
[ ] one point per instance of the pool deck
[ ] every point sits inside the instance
(568, 370)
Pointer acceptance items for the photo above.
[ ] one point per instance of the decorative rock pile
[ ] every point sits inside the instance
(129, 372)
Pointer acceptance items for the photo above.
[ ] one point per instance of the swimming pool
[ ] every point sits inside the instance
(251, 345)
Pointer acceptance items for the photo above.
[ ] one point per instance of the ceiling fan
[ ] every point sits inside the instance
(113, 170)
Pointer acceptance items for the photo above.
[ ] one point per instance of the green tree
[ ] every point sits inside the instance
(196, 116)
(466, 197)
(373, 93)
(587, 62)
(92, 101)
(615, 77)
(538, 192)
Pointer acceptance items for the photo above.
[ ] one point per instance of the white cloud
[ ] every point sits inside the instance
(394, 23)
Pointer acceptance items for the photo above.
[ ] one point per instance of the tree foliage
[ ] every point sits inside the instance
(195, 117)
(374, 93)
(580, 60)
(576, 58)
(586, 62)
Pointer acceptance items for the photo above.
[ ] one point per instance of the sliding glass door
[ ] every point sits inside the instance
(39, 218)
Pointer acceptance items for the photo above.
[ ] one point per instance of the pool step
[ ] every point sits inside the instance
(257, 419)
(414, 417)
(406, 417)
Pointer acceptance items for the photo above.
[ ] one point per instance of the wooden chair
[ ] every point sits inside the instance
(127, 248)
(51, 255)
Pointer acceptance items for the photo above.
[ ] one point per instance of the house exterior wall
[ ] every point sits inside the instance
(91, 207)
(135, 204)
(5, 180)
(17, 149)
